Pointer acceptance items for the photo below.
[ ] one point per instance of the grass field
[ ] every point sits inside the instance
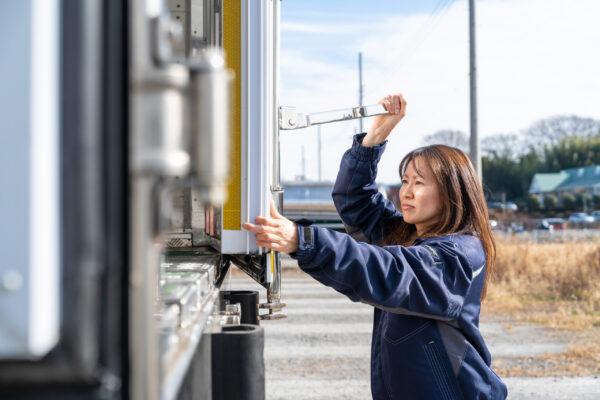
(556, 285)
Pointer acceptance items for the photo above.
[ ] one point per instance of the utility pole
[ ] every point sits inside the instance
(303, 164)
(360, 89)
(474, 140)
(319, 152)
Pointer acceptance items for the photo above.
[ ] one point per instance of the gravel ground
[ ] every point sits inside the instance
(321, 351)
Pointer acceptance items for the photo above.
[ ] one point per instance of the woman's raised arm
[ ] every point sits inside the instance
(360, 205)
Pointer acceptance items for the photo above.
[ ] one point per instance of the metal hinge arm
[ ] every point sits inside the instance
(290, 119)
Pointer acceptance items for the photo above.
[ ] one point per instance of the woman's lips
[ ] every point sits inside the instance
(405, 207)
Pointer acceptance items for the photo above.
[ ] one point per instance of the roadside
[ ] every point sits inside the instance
(554, 287)
(525, 349)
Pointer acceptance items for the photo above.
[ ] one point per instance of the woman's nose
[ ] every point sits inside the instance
(406, 192)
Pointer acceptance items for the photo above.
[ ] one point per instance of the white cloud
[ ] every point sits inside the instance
(316, 28)
(535, 59)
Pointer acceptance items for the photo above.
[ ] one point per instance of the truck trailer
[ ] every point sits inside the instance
(137, 136)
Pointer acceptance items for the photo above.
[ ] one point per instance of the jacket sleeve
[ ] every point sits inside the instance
(361, 207)
(429, 280)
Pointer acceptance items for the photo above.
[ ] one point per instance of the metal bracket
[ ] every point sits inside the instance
(290, 119)
(275, 311)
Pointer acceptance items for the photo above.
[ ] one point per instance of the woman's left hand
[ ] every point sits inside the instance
(277, 232)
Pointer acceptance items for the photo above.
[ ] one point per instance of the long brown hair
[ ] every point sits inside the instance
(463, 204)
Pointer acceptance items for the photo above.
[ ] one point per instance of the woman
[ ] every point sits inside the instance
(424, 270)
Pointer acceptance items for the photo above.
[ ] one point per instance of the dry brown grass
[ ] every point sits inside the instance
(556, 284)
(578, 360)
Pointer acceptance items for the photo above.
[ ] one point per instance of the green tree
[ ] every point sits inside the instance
(533, 203)
(550, 202)
(583, 201)
(596, 201)
(502, 173)
(568, 202)
(552, 144)
(572, 152)
(550, 131)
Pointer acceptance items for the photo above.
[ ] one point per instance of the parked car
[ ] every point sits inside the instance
(498, 205)
(516, 227)
(544, 225)
(552, 224)
(581, 218)
(495, 205)
(596, 215)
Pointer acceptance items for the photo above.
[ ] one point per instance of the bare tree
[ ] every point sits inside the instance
(450, 138)
(550, 131)
(503, 145)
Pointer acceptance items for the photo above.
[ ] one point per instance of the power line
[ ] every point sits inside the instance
(425, 26)
(436, 15)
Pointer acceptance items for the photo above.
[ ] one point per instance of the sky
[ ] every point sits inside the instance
(535, 59)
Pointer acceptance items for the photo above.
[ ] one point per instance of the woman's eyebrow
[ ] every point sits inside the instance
(414, 176)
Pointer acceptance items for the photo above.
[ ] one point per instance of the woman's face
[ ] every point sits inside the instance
(420, 200)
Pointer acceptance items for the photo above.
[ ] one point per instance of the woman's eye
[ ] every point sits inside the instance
(418, 183)
(404, 181)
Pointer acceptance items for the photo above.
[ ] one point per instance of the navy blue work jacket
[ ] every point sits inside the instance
(426, 341)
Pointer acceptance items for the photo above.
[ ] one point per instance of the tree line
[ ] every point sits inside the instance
(510, 160)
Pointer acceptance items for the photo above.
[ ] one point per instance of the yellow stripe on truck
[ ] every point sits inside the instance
(232, 44)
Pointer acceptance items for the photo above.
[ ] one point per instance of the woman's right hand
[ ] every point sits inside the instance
(383, 124)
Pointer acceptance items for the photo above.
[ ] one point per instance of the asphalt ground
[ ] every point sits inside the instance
(321, 350)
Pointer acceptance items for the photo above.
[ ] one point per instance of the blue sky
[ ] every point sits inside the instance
(536, 58)
(345, 21)
(301, 10)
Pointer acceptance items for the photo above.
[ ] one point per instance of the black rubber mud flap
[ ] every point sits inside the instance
(238, 366)
(248, 300)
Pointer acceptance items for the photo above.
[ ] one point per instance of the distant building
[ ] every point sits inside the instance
(312, 200)
(303, 192)
(572, 180)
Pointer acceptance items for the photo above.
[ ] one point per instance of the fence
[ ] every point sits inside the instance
(556, 236)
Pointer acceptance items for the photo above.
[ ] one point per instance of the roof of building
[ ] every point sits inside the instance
(546, 182)
(572, 178)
